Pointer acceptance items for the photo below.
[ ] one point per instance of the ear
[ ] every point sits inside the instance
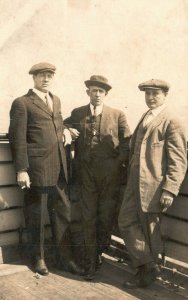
(106, 93)
(88, 92)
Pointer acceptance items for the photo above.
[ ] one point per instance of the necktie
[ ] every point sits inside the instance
(48, 103)
(94, 119)
(148, 118)
(94, 112)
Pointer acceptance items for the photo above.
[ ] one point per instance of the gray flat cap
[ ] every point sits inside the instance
(42, 67)
(154, 84)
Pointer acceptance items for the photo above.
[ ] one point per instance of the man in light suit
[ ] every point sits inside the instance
(101, 147)
(157, 168)
(36, 136)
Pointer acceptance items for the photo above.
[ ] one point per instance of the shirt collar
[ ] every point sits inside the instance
(40, 94)
(157, 110)
(99, 108)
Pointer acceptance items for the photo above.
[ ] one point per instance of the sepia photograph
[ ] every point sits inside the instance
(93, 149)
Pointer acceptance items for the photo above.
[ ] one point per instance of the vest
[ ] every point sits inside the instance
(94, 149)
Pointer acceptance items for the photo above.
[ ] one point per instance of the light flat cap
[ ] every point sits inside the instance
(42, 67)
(154, 84)
(98, 80)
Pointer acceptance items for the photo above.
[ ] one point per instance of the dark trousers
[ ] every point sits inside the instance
(38, 202)
(140, 230)
(99, 196)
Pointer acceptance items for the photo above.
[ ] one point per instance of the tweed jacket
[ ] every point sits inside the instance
(163, 159)
(114, 131)
(35, 135)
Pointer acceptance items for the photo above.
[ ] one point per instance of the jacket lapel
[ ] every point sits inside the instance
(157, 120)
(39, 102)
(104, 119)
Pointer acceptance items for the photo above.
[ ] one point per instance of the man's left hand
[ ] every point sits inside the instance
(166, 200)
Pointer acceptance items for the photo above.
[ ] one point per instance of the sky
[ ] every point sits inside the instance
(127, 41)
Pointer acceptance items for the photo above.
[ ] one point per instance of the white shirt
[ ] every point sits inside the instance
(152, 113)
(98, 109)
(43, 96)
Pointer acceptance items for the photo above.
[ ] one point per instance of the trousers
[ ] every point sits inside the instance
(99, 197)
(140, 230)
(40, 201)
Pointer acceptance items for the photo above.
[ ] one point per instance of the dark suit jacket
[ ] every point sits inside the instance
(114, 131)
(35, 135)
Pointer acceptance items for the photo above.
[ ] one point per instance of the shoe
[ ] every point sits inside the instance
(145, 276)
(71, 267)
(150, 273)
(99, 261)
(40, 267)
(90, 274)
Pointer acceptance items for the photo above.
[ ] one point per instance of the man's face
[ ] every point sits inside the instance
(43, 80)
(154, 98)
(96, 95)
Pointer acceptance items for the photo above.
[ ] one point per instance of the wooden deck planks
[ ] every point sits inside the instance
(23, 285)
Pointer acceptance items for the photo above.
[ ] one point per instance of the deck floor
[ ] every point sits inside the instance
(18, 282)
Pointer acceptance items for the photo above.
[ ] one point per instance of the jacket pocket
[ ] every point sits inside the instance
(36, 152)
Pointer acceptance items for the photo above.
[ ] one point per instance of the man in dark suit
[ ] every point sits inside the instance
(37, 138)
(158, 165)
(101, 147)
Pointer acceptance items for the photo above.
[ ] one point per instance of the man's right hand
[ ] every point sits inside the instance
(23, 179)
(74, 133)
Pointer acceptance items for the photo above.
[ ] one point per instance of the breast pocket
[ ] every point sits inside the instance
(158, 144)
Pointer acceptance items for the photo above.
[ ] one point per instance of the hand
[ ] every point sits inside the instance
(166, 200)
(23, 179)
(67, 139)
(74, 133)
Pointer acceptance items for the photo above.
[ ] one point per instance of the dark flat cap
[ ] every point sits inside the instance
(98, 80)
(42, 67)
(154, 84)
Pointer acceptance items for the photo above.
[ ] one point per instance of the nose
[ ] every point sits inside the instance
(97, 93)
(46, 78)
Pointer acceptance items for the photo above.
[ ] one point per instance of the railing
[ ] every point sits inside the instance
(12, 224)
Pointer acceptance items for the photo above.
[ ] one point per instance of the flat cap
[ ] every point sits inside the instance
(98, 80)
(154, 84)
(42, 67)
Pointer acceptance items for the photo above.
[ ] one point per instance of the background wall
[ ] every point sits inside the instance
(128, 41)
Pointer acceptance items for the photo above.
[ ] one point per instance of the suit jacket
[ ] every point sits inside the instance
(163, 159)
(35, 135)
(114, 131)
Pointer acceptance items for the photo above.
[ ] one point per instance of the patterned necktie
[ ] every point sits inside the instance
(94, 119)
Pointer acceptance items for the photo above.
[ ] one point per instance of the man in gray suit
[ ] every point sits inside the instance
(101, 147)
(37, 137)
(158, 165)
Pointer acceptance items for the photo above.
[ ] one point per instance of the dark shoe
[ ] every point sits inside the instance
(132, 283)
(99, 261)
(145, 276)
(90, 274)
(150, 273)
(40, 267)
(71, 267)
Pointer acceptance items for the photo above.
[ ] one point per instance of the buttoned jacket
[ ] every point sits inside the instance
(35, 135)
